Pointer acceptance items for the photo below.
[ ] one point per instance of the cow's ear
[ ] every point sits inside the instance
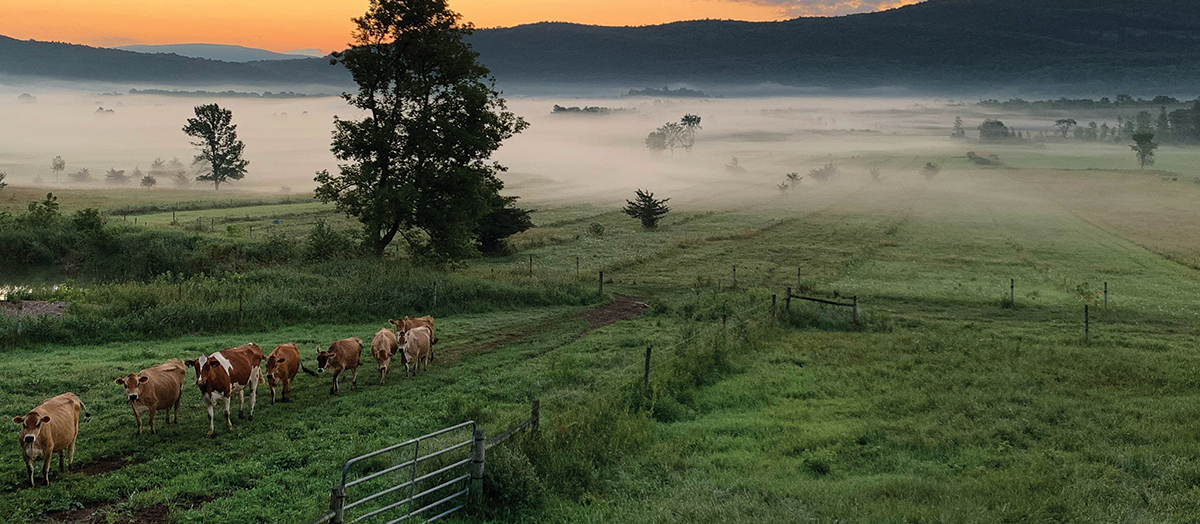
(120, 381)
(45, 419)
(143, 379)
(189, 363)
(280, 360)
(18, 420)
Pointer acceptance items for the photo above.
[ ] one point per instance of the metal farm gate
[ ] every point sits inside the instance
(444, 476)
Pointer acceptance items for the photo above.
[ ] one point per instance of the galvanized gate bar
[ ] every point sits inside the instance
(405, 485)
(346, 468)
(404, 465)
(417, 496)
(438, 503)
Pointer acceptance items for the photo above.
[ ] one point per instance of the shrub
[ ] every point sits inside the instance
(596, 229)
(324, 243)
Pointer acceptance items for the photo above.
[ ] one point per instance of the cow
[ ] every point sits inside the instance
(405, 324)
(48, 429)
(283, 364)
(416, 344)
(149, 390)
(341, 356)
(383, 348)
(229, 371)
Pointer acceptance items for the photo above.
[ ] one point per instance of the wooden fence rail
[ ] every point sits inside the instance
(854, 303)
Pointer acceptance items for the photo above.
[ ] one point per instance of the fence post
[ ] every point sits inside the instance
(241, 298)
(602, 282)
(646, 375)
(1012, 291)
(530, 266)
(772, 305)
(478, 444)
(337, 499)
(434, 305)
(535, 413)
(798, 286)
(20, 316)
(855, 309)
(787, 301)
(173, 218)
(1087, 335)
(735, 276)
(576, 267)
(1106, 296)
(724, 318)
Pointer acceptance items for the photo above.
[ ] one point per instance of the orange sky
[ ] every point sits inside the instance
(284, 25)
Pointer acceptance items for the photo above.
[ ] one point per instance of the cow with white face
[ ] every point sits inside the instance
(48, 429)
(224, 373)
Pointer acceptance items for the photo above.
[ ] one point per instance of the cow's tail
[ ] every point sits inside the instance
(306, 370)
(87, 415)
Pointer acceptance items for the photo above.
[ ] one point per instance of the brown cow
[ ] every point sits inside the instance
(341, 356)
(282, 366)
(416, 344)
(226, 372)
(407, 323)
(383, 348)
(159, 387)
(48, 429)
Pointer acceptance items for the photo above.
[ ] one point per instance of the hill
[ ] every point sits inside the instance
(222, 52)
(941, 45)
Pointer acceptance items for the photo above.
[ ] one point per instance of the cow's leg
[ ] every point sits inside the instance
(29, 468)
(241, 403)
(62, 461)
(287, 390)
(176, 411)
(137, 416)
(210, 417)
(271, 386)
(152, 410)
(46, 467)
(228, 423)
(333, 390)
(253, 393)
(71, 456)
(354, 379)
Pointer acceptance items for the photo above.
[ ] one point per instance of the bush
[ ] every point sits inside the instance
(596, 229)
(511, 486)
(324, 243)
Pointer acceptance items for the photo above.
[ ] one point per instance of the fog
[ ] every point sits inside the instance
(560, 158)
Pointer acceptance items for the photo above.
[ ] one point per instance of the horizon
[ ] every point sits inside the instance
(275, 25)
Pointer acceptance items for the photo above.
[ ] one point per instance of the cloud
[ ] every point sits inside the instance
(794, 8)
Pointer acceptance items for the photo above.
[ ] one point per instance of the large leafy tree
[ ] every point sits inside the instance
(417, 164)
(1144, 146)
(220, 155)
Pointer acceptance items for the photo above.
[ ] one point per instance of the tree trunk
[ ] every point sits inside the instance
(382, 243)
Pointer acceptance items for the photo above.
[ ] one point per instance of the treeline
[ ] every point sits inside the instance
(589, 110)
(1179, 126)
(1082, 103)
(226, 94)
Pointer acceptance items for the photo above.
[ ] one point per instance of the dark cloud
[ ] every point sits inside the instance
(829, 7)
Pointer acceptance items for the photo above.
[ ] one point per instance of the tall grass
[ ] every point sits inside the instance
(340, 291)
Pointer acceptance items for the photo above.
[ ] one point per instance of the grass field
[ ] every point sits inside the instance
(951, 404)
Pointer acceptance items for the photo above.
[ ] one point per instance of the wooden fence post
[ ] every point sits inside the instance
(576, 267)
(1087, 335)
(646, 375)
(798, 286)
(856, 309)
(337, 499)
(173, 218)
(735, 276)
(530, 266)
(478, 447)
(724, 319)
(772, 305)
(434, 305)
(787, 300)
(1106, 296)
(1012, 291)
(602, 282)
(241, 298)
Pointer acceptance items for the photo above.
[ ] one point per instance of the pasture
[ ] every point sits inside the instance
(949, 404)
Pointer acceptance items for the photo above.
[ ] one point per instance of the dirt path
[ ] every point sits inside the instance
(33, 308)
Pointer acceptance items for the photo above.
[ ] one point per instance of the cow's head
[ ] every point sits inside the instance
(202, 365)
(323, 358)
(274, 366)
(31, 426)
(133, 385)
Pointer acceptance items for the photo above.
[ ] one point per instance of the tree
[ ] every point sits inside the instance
(647, 209)
(1162, 125)
(1093, 132)
(669, 136)
(178, 172)
(417, 163)
(959, 132)
(3, 184)
(691, 124)
(220, 150)
(57, 165)
(149, 181)
(116, 177)
(83, 176)
(656, 142)
(1144, 146)
(1143, 123)
(505, 220)
(994, 130)
(1064, 125)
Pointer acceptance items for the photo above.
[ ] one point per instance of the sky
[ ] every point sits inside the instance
(286, 25)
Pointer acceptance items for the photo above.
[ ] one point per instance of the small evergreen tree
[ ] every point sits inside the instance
(149, 181)
(647, 209)
(116, 177)
(959, 132)
(1144, 146)
(57, 165)
(3, 184)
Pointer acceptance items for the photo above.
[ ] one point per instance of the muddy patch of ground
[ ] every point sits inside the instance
(33, 308)
(621, 308)
(121, 514)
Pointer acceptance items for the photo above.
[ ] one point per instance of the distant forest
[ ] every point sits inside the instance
(946, 46)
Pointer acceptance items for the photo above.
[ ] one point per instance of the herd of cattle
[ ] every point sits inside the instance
(52, 426)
